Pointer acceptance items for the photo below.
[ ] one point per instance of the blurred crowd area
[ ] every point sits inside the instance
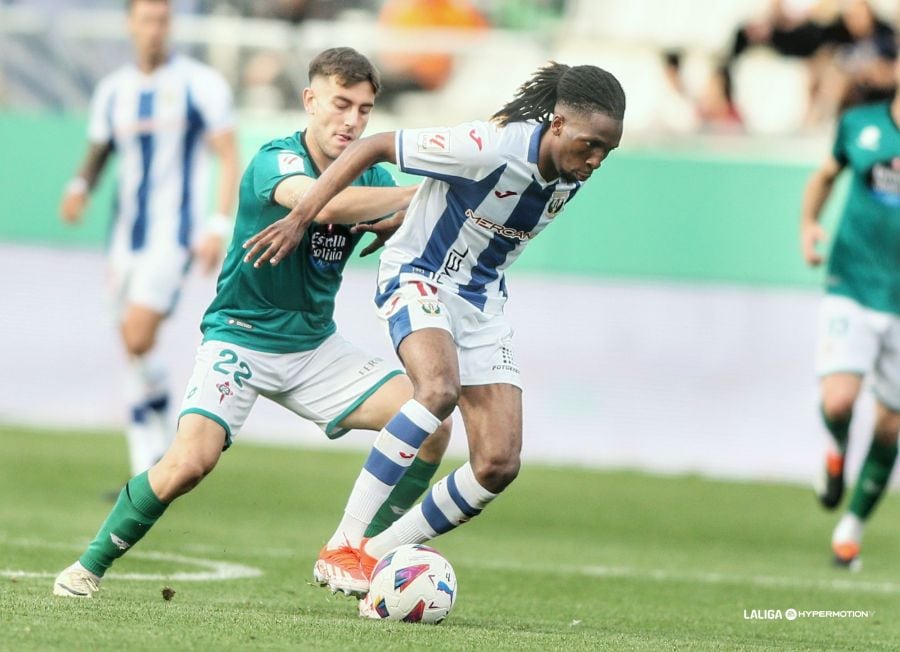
(774, 67)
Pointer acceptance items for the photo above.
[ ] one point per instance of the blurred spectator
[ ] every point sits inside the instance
(272, 80)
(677, 112)
(716, 102)
(293, 11)
(789, 27)
(850, 56)
(413, 71)
(863, 49)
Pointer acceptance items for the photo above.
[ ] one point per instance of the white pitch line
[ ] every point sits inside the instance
(216, 570)
(660, 575)
(221, 570)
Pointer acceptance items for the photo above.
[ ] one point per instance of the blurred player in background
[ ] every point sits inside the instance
(859, 323)
(162, 115)
(271, 332)
(491, 187)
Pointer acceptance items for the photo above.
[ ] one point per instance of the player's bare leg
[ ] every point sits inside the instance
(392, 479)
(493, 418)
(193, 454)
(426, 352)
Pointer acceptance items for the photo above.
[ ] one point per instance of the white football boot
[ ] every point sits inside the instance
(846, 542)
(76, 582)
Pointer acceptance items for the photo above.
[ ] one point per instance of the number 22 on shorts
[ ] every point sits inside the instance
(240, 371)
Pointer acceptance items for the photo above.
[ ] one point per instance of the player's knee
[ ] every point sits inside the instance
(886, 437)
(496, 473)
(138, 341)
(439, 396)
(838, 406)
(886, 428)
(181, 475)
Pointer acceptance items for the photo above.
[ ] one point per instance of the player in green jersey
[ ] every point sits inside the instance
(271, 332)
(859, 322)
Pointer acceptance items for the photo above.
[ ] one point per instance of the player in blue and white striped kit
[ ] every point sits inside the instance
(491, 187)
(163, 115)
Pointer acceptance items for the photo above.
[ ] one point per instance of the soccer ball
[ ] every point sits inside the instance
(414, 584)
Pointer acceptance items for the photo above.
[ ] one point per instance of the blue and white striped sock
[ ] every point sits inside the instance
(392, 453)
(450, 503)
(148, 432)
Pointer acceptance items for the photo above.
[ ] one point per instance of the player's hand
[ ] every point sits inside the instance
(274, 242)
(71, 208)
(382, 229)
(208, 252)
(811, 234)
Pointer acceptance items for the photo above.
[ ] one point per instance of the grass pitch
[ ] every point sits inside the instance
(567, 559)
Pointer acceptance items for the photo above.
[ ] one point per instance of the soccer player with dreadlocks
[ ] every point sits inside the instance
(491, 187)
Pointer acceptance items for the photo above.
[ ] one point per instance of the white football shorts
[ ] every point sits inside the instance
(858, 340)
(151, 278)
(323, 385)
(483, 341)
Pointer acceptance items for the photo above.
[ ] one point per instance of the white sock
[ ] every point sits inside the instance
(450, 503)
(849, 528)
(148, 433)
(392, 453)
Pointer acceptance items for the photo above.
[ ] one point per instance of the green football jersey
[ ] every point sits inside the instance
(865, 259)
(288, 307)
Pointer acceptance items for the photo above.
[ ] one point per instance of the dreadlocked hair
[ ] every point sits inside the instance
(584, 88)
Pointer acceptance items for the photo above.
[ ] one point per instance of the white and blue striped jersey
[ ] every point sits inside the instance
(483, 200)
(157, 124)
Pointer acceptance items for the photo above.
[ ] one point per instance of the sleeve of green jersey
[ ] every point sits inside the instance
(378, 176)
(839, 149)
(271, 165)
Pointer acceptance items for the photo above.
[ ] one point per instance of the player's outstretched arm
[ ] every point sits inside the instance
(818, 189)
(383, 230)
(350, 205)
(76, 192)
(276, 241)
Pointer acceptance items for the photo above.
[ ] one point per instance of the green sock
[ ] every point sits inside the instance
(412, 485)
(873, 478)
(134, 513)
(840, 431)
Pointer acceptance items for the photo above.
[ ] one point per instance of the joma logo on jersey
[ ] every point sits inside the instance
(499, 229)
(473, 134)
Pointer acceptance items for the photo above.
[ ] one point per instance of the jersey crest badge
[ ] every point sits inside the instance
(289, 162)
(224, 390)
(557, 200)
(429, 307)
(436, 142)
(869, 138)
